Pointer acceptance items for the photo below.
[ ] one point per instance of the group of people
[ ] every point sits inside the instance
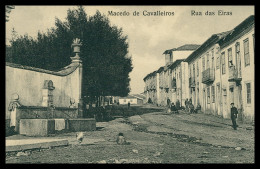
(172, 108)
(189, 107)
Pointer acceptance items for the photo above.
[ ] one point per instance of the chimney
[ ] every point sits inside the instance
(168, 58)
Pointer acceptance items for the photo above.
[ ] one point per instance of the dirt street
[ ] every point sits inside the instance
(154, 138)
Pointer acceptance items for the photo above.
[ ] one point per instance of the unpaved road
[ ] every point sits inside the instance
(154, 138)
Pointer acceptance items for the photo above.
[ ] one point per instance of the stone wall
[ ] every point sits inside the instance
(37, 127)
(34, 112)
(28, 83)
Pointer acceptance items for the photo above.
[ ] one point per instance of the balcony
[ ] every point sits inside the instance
(233, 75)
(208, 76)
(192, 83)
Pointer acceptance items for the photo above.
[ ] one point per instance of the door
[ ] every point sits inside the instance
(240, 103)
(198, 101)
(224, 107)
(194, 97)
(218, 99)
(204, 100)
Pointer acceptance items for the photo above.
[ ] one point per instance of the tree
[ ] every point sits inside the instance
(104, 53)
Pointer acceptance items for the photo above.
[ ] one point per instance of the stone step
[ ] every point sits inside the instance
(29, 144)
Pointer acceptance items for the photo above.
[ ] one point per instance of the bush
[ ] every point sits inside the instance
(109, 112)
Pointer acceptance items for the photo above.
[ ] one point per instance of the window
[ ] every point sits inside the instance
(124, 100)
(230, 62)
(208, 95)
(213, 94)
(254, 40)
(212, 56)
(190, 70)
(193, 70)
(238, 58)
(246, 52)
(131, 100)
(198, 69)
(248, 93)
(223, 63)
(237, 47)
(207, 60)
(203, 63)
(218, 62)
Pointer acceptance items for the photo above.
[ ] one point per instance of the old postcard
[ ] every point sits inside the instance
(130, 84)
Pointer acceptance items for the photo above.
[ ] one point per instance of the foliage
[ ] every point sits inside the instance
(106, 65)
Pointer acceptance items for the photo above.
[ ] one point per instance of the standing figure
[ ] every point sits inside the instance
(128, 105)
(198, 108)
(168, 102)
(191, 107)
(187, 105)
(178, 105)
(234, 113)
(12, 108)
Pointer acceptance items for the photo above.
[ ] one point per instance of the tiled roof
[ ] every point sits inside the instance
(160, 69)
(133, 96)
(238, 31)
(127, 97)
(223, 37)
(174, 64)
(207, 44)
(168, 51)
(188, 47)
(150, 74)
(182, 48)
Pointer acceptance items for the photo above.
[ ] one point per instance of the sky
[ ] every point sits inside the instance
(148, 36)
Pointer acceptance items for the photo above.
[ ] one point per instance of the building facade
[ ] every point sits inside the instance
(219, 72)
(171, 80)
(238, 52)
(132, 99)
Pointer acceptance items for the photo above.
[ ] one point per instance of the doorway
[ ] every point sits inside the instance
(224, 109)
(204, 100)
(218, 100)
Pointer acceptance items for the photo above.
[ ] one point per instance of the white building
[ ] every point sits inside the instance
(221, 72)
(132, 99)
(170, 81)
